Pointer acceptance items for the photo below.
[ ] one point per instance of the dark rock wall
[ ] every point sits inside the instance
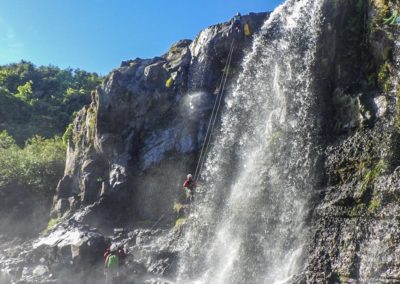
(355, 226)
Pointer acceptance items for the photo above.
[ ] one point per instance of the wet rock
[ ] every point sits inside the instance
(381, 106)
(72, 248)
(64, 187)
(40, 270)
(89, 249)
(348, 111)
(354, 232)
(61, 206)
(161, 265)
(120, 233)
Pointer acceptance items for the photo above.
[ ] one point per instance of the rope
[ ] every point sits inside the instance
(158, 221)
(214, 115)
(211, 124)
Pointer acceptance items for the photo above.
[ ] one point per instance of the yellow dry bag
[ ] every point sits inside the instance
(169, 82)
(246, 29)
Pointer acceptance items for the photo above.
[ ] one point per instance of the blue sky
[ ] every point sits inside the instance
(96, 35)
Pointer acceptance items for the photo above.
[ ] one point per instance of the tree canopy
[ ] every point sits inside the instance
(38, 165)
(41, 100)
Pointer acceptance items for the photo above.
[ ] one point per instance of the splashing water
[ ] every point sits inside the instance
(248, 226)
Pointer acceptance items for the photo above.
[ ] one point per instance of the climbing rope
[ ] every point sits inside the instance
(214, 115)
(159, 220)
(211, 124)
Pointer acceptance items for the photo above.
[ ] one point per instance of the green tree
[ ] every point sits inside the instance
(24, 91)
(38, 166)
(28, 179)
(6, 140)
(42, 100)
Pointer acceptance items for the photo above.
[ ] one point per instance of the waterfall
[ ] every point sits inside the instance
(248, 223)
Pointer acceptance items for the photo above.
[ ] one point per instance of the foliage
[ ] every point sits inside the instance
(52, 223)
(91, 115)
(68, 134)
(368, 179)
(382, 8)
(179, 222)
(384, 76)
(41, 100)
(38, 166)
(375, 204)
(177, 207)
(353, 169)
(358, 210)
(379, 75)
(6, 141)
(371, 175)
(24, 91)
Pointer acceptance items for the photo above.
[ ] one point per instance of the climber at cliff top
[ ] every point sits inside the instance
(190, 186)
(237, 23)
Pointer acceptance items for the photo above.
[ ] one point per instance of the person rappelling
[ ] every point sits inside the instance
(189, 185)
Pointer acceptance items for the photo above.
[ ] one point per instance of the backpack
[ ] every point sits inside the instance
(112, 261)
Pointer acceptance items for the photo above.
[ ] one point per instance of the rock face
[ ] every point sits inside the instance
(133, 146)
(70, 253)
(355, 226)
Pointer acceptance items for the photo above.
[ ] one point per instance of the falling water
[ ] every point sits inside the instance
(248, 226)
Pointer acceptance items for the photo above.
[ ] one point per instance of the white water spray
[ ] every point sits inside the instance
(249, 225)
